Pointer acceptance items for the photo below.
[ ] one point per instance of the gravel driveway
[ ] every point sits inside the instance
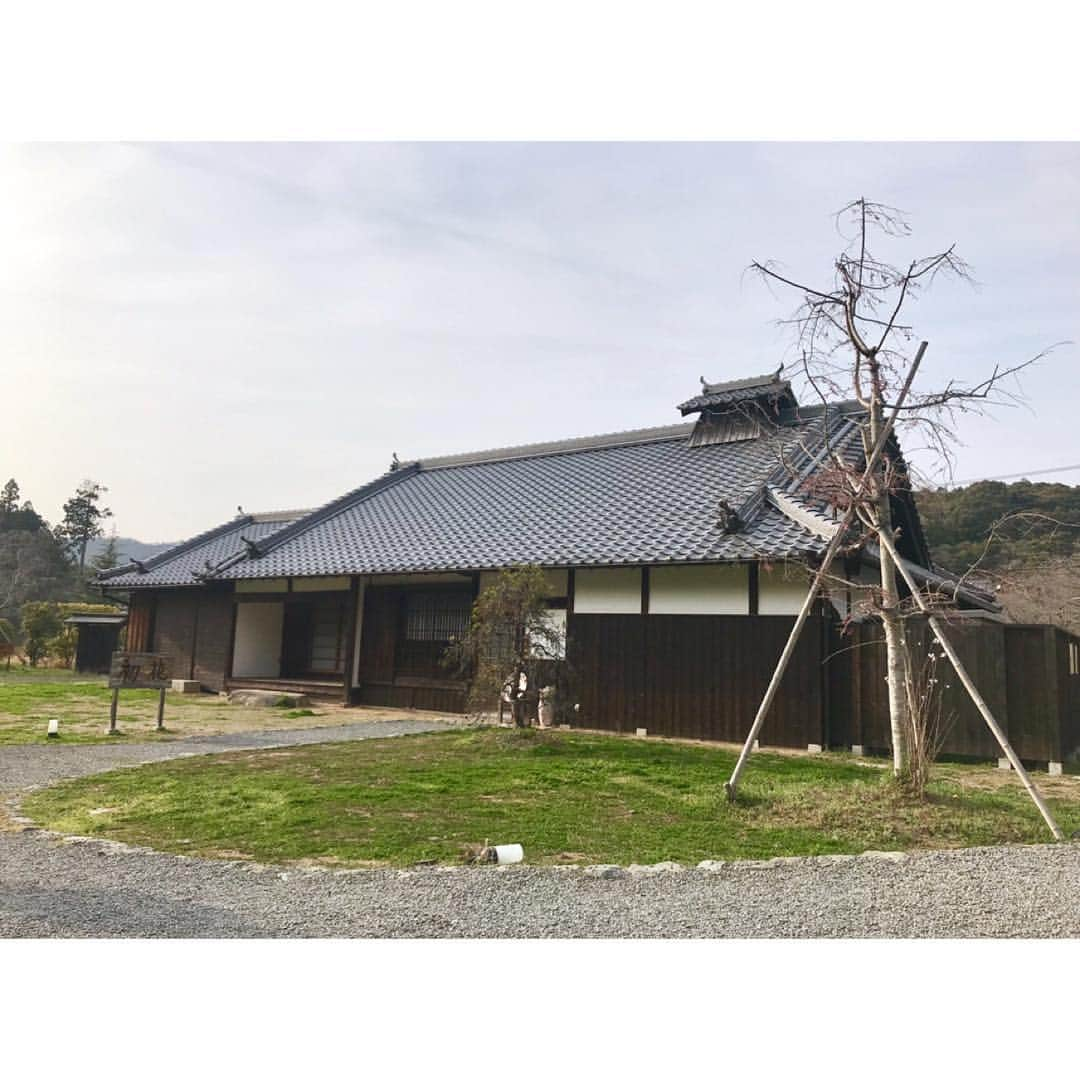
(51, 887)
(34, 765)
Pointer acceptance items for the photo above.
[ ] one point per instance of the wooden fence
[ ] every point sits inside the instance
(702, 677)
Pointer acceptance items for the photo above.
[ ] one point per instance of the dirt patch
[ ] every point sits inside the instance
(82, 710)
(993, 779)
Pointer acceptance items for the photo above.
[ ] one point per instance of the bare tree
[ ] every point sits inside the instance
(1045, 588)
(853, 337)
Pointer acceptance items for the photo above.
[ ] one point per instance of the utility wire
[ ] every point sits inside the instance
(1012, 476)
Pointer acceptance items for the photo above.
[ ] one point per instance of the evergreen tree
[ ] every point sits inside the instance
(83, 517)
(9, 497)
(109, 556)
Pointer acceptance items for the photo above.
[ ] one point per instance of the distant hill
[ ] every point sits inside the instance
(1033, 560)
(128, 547)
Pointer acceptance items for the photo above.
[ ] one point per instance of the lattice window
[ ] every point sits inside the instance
(436, 616)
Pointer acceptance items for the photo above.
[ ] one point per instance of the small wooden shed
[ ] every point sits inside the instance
(98, 637)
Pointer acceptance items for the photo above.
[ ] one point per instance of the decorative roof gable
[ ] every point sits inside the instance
(769, 393)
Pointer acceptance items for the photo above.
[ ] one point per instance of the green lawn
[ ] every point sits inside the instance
(30, 698)
(567, 797)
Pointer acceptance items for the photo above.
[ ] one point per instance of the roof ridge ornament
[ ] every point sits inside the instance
(728, 517)
(769, 392)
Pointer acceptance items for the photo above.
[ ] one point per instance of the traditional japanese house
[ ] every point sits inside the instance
(676, 555)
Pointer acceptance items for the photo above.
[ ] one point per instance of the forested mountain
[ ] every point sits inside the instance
(1033, 559)
(126, 548)
(33, 565)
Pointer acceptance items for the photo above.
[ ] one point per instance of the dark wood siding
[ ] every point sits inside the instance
(174, 629)
(398, 674)
(213, 638)
(1068, 693)
(378, 634)
(702, 677)
(140, 621)
(95, 646)
(694, 676)
(193, 628)
(1021, 671)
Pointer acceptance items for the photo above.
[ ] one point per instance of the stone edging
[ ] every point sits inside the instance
(602, 871)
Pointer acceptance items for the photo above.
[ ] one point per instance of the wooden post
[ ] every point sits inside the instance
(351, 614)
(112, 711)
(785, 656)
(856, 735)
(970, 687)
(161, 710)
(819, 577)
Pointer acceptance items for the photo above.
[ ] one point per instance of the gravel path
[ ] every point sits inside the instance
(34, 765)
(53, 887)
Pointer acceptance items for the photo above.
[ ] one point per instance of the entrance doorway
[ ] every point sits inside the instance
(313, 638)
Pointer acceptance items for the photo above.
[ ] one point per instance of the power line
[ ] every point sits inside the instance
(1015, 476)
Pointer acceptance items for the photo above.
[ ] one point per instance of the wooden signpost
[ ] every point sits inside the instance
(138, 671)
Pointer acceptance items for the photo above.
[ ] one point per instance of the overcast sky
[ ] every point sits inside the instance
(202, 326)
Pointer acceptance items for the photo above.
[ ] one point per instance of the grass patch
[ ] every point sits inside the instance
(81, 704)
(567, 797)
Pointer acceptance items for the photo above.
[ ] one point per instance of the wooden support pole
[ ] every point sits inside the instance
(815, 585)
(112, 711)
(351, 614)
(161, 710)
(785, 656)
(973, 692)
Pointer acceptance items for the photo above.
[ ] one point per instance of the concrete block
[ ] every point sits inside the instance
(813, 748)
(1055, 768)
(1003, 763)
(757, 745)
(186, 686)
(641, 732)
(858, 750)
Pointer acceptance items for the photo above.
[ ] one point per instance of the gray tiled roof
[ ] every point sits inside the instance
(643, 497)
(179, 564)
(648, 501)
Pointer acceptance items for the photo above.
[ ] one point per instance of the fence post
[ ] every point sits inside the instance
(112, 711)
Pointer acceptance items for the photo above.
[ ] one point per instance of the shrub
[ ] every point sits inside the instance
(41, 623)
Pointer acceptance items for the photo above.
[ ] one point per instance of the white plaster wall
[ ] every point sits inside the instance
(263, 585)
(782, 590)
(699, 590)
(608, 591)
(257, 649)
(321, 584)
